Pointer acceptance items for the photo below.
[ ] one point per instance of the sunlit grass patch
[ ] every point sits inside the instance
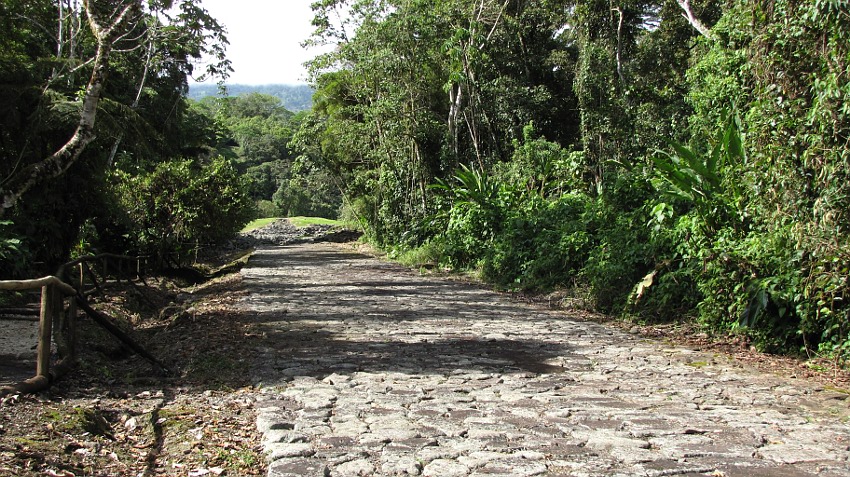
(259, 223)
(305, 221)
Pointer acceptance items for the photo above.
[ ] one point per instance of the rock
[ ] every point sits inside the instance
(605, 440)
(445, 468)
(401, 465)
(793, 454)
(283, 450)
(298, 468)
(355, 468)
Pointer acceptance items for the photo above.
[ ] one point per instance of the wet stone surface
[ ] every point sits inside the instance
(371, 369)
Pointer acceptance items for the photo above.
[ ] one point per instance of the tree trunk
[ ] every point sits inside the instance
(58, 163)
(695, 22)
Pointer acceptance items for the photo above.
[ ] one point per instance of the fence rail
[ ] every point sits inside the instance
(60, 323)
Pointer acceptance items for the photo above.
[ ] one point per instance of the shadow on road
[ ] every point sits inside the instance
(313, 351)
(326, 311)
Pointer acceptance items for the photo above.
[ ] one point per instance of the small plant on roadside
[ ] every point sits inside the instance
(13, 253)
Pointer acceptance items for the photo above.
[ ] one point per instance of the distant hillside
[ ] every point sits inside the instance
(294, 97)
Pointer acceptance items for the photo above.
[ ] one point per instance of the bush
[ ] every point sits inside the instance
(267, 209)
(13, 253)
(469, 234)
(182, 204)
(542, 245)
(311, 195)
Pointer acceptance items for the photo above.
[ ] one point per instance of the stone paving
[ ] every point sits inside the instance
(372, 369)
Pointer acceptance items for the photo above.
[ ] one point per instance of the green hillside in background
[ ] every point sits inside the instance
(294, 97)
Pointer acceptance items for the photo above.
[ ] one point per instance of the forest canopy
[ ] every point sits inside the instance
(92, 105)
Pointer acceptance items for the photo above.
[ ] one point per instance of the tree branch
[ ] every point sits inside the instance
(58, 163)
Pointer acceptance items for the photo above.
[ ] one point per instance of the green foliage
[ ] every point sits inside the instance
(142, 117)
(540, 167)
(13, 252)
(774, 273)
(427, 255)
(696, 178)
(543, 244)
(603, 157)
(312, 194)
(267, 209)
(471, 186)
(620, 257)
(182, 204)
(474, 215)
(260, 138)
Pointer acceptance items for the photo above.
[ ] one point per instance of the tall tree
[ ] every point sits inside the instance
(107, 25)
(114, 29)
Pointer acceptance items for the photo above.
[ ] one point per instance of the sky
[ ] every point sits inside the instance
(265, 38)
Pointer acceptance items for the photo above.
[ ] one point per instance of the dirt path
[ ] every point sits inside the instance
(372, 369)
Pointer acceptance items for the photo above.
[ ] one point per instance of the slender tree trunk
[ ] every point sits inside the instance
(135, 105)
(455, 103)
(619, 44)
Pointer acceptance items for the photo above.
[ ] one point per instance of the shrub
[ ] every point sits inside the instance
(542, 245)
(267, 209)
(182, 204)
(13, 253)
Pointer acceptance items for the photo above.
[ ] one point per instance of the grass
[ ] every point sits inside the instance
(296, 221)
(258, 223)
(305, 221)
(427, 255)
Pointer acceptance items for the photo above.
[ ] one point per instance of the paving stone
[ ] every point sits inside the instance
(286, 436)
(282, 450)
(394, 464)
(481, 458)
(336, 442)
(445, 468)
(380, 371)
(354, 468)
(298, 468)
(795, 453)
(513, 467)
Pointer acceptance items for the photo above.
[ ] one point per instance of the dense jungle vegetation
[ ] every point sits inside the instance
(159, 174)
(660, 160)
(101, 151)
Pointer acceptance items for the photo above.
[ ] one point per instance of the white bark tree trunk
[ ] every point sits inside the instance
(60, 161)
(695, 22)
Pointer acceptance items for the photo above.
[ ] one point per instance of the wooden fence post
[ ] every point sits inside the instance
(45, 329)
(72, 330)
(63, 327)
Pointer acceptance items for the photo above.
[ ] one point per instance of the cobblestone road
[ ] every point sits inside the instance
(372, 369)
